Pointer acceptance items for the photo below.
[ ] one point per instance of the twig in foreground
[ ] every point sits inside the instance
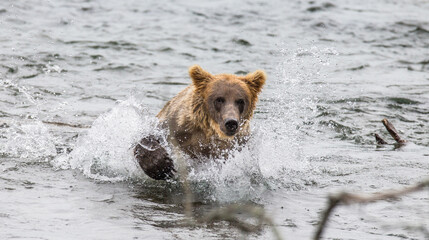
(229, 214)
(350, 198)
(183, 177)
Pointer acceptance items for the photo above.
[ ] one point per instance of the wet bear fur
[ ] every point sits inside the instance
(205, 120)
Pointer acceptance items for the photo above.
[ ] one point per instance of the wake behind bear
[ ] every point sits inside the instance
(205, 120)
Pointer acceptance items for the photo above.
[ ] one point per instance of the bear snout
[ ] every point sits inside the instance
(231, 126)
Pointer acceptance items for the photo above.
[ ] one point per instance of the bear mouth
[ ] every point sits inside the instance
(230, 133)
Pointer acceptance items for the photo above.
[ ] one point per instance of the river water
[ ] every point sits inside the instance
(81, 81)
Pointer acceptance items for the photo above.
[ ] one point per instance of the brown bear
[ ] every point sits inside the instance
(205, 120)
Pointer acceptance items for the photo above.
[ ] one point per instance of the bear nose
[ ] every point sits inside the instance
(231, 125)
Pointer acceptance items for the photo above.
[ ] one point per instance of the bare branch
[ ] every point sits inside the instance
(351, 198)
(229, 214)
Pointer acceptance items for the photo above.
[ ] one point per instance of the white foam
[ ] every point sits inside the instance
(29, 140)
(105, 151)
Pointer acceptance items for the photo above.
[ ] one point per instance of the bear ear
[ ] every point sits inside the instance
(255, 81)
(199, 77)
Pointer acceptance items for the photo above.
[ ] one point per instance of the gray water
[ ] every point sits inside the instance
(81, 81)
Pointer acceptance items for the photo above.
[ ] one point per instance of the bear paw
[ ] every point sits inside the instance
(153, 158)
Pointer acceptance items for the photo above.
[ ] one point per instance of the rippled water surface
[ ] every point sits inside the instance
(82, 81)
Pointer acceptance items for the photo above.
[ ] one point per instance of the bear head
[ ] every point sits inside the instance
(225, 102)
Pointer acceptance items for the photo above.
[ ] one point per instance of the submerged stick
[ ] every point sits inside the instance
(379, 139)
(392, 131)
(351, 198)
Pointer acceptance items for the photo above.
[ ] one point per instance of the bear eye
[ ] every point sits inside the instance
(240, 103)
(220, 100)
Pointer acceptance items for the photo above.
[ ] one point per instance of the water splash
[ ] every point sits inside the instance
(28, 141)
(6, 83)
(105, 151)
(291, 110)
